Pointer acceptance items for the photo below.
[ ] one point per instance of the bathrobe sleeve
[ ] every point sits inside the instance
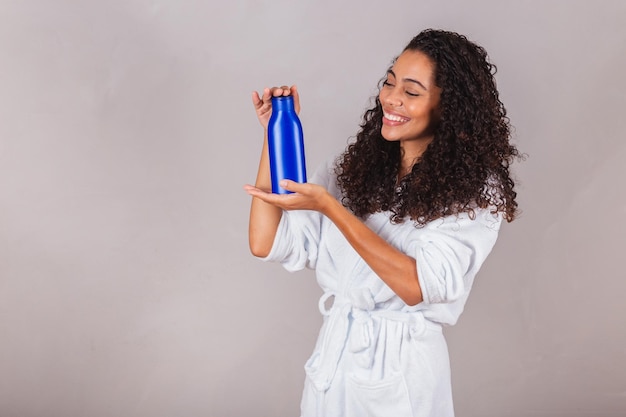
(296, 244)
(449, 253)
(297, 240)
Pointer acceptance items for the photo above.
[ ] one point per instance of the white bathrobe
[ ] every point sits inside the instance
(376, 356)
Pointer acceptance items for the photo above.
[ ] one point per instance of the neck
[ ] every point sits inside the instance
(411, 152)
(410, 155)
(406, 166)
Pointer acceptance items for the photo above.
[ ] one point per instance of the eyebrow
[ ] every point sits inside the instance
(411, 80)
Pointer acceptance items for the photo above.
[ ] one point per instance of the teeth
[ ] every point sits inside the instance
(395, 118)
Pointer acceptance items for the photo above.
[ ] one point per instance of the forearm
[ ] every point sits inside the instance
(264, 217)
(396, 269)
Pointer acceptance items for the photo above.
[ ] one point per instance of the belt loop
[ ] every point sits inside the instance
(322, 303)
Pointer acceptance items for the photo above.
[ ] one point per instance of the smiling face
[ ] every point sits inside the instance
(410, 101)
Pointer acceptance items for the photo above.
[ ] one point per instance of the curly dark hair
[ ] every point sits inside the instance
(466, 166)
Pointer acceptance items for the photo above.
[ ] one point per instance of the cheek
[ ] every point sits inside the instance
(419, 113)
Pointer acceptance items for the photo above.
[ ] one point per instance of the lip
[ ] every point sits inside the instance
(390, 122)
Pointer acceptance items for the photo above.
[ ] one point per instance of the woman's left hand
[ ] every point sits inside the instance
(305, 196)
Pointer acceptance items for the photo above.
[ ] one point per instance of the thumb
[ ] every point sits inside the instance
(296, 98)
(294, 186)
(286, 184)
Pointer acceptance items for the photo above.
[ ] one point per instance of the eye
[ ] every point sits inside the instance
(408, 93)
(387, 83)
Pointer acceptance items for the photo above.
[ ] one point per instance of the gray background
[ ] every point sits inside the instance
(126, 285)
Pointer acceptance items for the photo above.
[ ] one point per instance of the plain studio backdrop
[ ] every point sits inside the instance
(126, 135)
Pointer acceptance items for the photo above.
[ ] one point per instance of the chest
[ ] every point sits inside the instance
(340, 264)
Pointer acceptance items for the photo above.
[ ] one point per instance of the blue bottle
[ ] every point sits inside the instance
(285, 144)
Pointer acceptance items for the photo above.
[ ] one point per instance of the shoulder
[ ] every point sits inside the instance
(479, 218)
(477, 231)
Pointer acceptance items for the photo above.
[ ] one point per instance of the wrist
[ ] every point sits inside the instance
(330, 206)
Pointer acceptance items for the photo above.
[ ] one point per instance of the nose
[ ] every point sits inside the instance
(391, 97)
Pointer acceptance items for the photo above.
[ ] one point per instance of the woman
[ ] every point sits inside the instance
(396, 229)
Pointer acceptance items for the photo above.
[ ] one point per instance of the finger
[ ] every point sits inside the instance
(252, 189)
(256, 100)
(283, 90)
(267, 94)
(278, 200)
(255, 192)
(294, 186)
(296, 97)
(265, 98)
(261, 100)
(278, 91)
(274, 91)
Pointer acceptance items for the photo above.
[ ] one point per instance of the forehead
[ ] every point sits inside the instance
(415, 65)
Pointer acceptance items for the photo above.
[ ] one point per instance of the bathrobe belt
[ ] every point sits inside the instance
(359, 305)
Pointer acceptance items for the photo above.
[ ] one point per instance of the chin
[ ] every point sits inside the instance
(390, 138)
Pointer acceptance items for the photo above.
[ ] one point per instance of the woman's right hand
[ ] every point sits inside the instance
(263, 104)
